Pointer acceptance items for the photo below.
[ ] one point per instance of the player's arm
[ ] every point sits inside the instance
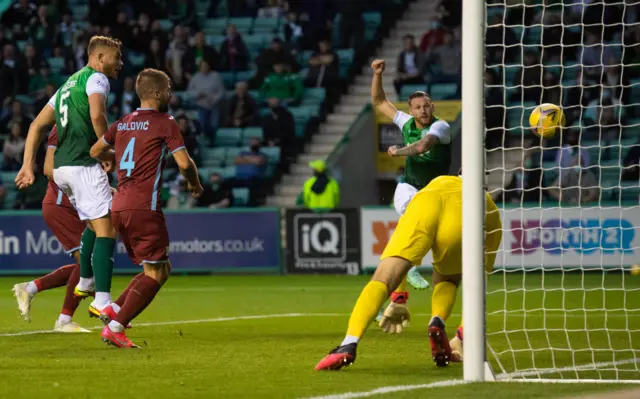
(189, 170)
(98, 90)
(439, 132)
(48, 162)
(378, 98)
(45, 118)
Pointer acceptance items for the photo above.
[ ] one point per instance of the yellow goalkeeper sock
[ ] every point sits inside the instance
(369, 303)
(443, 299)
(403, 285)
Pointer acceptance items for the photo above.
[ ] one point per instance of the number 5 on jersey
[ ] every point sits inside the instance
(64, 108)
(127, 163)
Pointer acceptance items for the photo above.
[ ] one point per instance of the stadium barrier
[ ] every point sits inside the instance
(534, 238)
(235, 241)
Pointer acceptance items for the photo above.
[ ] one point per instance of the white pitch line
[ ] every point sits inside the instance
(584, 367)
(196, 321)
(391, 389)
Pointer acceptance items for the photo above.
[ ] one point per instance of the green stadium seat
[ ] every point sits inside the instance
(304, 57)
(251, 132)
(208, 171)
(300, 129)
(629, 191)
(215, 26)
(443, 91)
(300, 114)
(314, 96)
(111, 99)
(214, 156)
(228, 172)
(215, 40)
(346, 56)
(56, 64)
(166, 24)
(229, 79)
(10, 198)
(243, 25)
(407, 90)
(136, 59)
(228, 137)
(635, 88)
(232, 153)
(265, 25)
(244, 76)
(272, 153)
(8, 178)
(240, 196)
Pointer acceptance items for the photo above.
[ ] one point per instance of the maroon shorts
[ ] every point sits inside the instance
(144, 234)
(65, 225)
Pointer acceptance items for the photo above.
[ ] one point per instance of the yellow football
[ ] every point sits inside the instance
(545, 120)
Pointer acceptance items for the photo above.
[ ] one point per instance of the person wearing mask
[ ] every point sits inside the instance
(177, 49)
(197, 53)
(243, 109)
(324, 67)
(234, 55)
(279, 129)
(282, 85)
(217, 194)
(321, 191)
(250, 169)
(13, 149)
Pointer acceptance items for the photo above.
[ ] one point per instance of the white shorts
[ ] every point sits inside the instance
(402, 197)
(87, 188)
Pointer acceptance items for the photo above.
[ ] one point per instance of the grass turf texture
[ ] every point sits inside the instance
(274, 357)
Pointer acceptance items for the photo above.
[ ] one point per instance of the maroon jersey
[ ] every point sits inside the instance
(141, 141)
(54, 194)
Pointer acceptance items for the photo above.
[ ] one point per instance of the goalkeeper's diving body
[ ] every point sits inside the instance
(432, 221)
(427, 148)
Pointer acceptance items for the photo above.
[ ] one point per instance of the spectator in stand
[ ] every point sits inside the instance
(279, 129)
(575, 185)
(242, 8)
(447, 57)
(44, 96)
(155, 57)
(121, 29)
(631, 170)
(614, 80)
(579, 95)
(351, 26)
(321, 191)
(207, 88)
(494, 110)
(234, 55)
(324, 67)
(293, 32)
(126, 100)
(525, 182)
(571, 153)
(451, 13)
(273, 9)
(607, 125)
(17, 115)
(102, 12)
(434, 37)
(4, 40)
(183, 12)
(177, 49)
(141, 34)
(243, 109)
(11, 73)
(67, 29)
(274, 54)
(3, 193)
(282, 85)
(67, 63)
(39, 81)
(180, 197)
(594, 54)
(20, 14)
(31, 197)
(158, 31)
(632, 51)
(198, 52)
(498, 39)
(31, 59)
(189, 136)
(410, 65)
(13, 149)
(250, 168)
(42, 30)
(529, 77)
(217, 194)
(551, 92)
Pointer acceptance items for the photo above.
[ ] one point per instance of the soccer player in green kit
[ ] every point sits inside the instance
(79, 111)
(427, 148)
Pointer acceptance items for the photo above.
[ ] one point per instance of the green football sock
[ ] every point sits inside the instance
(86, 250)
(103, 263)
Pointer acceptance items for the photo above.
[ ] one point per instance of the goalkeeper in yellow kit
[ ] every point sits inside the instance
(432, 221)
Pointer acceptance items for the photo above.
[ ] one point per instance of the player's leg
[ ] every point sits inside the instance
(25, 292)
(409, 243)
(402, 196)
(86, 282)
(139, 297)
(65, 321)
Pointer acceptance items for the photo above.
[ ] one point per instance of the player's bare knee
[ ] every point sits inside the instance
(104, 228)
(391, 271)
(76, 256)
(451, 278)
(157, 271)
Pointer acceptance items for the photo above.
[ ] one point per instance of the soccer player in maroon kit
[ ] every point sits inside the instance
(141, 141)
(63, 221)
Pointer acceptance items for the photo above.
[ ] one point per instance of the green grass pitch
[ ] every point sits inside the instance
(196, 343)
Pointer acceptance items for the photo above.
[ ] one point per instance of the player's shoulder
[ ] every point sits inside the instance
(445, 182)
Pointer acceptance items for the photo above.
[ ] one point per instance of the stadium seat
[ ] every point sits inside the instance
(205, 172)
(251, 132)
(166, 24)
(8, 178)
(314, 96)
(244, 76)
(136, 59)
(232, 153)
(265, 25)
(243, 25)
(215, 40)
(228, 137)
(229, 79)
(407, 90)
(443, 91)
(228, 172)
(241, 196)
(304, 57)
(629, 191)
(214, 155)
(272, 153)
(300, 114)
(215, 26)
(635, 88)
(56, 64)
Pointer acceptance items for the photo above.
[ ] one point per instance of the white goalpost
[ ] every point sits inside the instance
(563, 301)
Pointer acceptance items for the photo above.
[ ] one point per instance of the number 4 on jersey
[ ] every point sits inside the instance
(127, 163)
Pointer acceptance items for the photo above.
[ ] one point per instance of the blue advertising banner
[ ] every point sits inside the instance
(223, 241)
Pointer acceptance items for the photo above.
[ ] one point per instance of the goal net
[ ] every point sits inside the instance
(562, 302)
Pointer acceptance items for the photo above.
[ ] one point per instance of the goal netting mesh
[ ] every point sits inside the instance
(563, 302)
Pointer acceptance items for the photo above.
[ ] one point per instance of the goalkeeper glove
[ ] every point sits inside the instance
(396, 316)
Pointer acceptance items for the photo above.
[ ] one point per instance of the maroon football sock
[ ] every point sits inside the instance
(139, 297)
(123, 296)
(55, 279)
(71, 302)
